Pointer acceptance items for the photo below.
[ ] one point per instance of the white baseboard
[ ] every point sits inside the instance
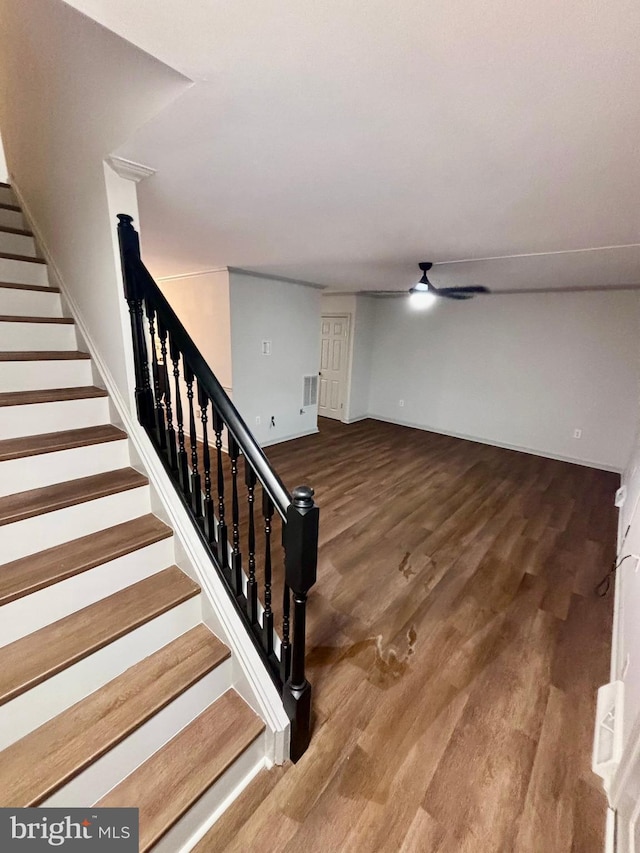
(271, 442)
(545, 455)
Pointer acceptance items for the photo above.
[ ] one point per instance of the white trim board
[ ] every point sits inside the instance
(289, 437)
(585, 464)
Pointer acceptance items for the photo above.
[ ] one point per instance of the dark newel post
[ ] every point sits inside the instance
(133, 292)
(301, 561)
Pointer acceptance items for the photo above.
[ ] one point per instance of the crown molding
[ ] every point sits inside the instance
(129, 170)
(272, 277)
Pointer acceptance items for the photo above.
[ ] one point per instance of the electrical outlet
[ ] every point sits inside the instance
(266, 347)
(577, 433)
(258, 420)
(401, 403)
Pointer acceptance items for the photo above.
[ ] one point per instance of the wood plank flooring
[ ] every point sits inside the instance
(455, 647)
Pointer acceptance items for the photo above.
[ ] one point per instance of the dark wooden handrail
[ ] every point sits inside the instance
(230, 415)
(173, 432)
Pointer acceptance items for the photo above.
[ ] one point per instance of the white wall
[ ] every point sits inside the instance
(201, 300)
(70, 93)
(288, 315)
(521, 371)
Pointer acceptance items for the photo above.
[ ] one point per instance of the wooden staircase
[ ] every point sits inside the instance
(113, 692)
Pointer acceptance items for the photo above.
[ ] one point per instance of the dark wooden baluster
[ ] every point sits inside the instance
(196, 488)
(165, 386)
(285, 645)
(161, 435)
(223, 554)
(134, 294)
(183, 462)
(301, 561)
(252, 584)
(267, 616)
(208, 511)
(236, 556)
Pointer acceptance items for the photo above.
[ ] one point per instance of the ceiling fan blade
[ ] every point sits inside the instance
(445, 291)
(599, 288)
(455, 293)
(382, 292)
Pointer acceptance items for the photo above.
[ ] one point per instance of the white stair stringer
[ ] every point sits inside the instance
(102, 775)
(23, 272)
(46, 700)
(55, 528)
(38, 375)
(38, 609)
(47, 469)
(185, 834)
(19, 302)
(59, 416)
(17, 244)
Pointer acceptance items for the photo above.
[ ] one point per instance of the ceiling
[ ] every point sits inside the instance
(342, 142)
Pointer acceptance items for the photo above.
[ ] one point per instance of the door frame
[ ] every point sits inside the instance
(346, 391)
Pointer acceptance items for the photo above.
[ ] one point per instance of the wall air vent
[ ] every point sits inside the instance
(310, 392)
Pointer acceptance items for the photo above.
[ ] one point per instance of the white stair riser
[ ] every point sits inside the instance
(46, 469)
(23, 337)
(37, 418)
(105, 773)
(184, 835)
(7, 196)
(11, 218)
(29, 303)
(32, 612)
(17, 244)
(45, 701)
(38, 375)
(23, 272)
(53, 528)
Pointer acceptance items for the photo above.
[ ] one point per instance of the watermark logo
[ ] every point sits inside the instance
(69, 830)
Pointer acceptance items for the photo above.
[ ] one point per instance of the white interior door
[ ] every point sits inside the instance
(334, 354)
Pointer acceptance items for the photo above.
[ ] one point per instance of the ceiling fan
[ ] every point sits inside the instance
(425, 293)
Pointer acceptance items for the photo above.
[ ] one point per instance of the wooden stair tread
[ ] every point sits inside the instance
(32, 659)
(44, 355)
(171, 781)
(12, 256)
(231, 822)
(36, 766)
(50, 395)
(61, 495)
(21, 231)
(11, 318)
(29, 574)
(11, 285)
(50, 442)
(5, 185)
(15, 207)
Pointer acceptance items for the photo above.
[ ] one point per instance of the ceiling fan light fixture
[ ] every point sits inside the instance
(420, 298)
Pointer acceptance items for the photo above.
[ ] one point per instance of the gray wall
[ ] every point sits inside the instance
(522, 371)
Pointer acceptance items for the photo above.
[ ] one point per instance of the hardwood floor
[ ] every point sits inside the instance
(455, 647)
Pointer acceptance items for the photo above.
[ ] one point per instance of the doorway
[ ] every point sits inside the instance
(334, 358)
